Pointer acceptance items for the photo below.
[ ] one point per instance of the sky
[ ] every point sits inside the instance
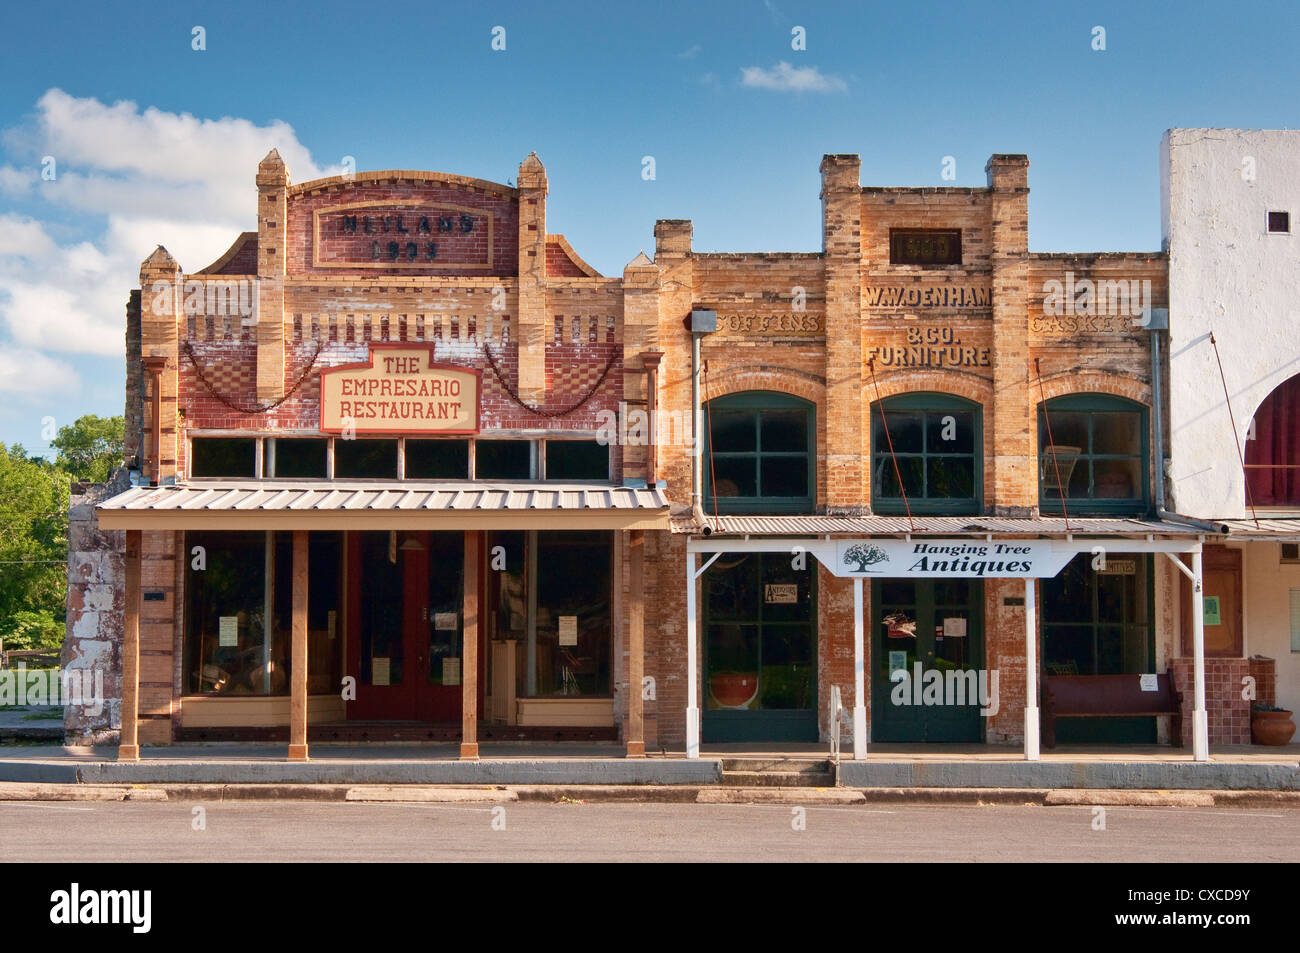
(117, 134)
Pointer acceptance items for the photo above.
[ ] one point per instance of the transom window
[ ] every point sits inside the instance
(570, 457)
(759, 453)
(937, 443)
(1095, 457)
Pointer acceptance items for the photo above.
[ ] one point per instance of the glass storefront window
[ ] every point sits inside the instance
(229, 647)
(551, 592)
(1097, 621)
(758, 635)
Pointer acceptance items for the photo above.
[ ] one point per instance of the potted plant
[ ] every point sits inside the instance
(1270, 725)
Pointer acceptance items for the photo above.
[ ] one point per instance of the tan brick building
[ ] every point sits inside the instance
(431, 476)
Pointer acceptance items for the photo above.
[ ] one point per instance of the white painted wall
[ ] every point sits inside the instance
(1266, 592)
(1228, 275)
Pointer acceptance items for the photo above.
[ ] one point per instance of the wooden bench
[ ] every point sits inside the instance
(1109, 696)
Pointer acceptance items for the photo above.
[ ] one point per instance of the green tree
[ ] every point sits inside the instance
(91, 447)
(33, 549)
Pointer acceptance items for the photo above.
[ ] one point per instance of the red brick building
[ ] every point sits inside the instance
(407, 466)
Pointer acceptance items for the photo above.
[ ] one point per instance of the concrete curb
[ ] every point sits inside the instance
(1098, 798)
(17, 791)
(800, 796)
(1054, 775)
(423, 794)
(516, 771)
(648, 794)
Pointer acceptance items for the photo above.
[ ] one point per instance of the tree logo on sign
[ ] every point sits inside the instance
(864, 555)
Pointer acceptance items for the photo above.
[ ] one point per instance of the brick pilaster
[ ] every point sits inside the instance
(532, 280)
(272, 222)
(846, 481)
(1013, 468)
(161, 314)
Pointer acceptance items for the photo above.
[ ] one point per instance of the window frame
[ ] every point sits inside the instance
(903, 233)
(928, 402)
(1093, 404)
(759, 401)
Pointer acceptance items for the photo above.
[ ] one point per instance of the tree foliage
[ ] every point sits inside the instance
(33, 549)
(91, 447)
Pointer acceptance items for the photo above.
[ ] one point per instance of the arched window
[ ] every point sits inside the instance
(937, 441)
(1273, 448)
(1093, 453)
(759, 454)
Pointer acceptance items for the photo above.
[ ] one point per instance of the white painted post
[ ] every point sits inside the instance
(859, 678)
(692, 706)
(1200, 721)
(1031, 673)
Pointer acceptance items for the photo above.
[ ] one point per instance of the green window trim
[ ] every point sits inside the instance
(1095, 405)
(927, 403)
(757, 402)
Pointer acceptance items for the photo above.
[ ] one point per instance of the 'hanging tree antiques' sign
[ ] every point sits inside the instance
(400, 390)
(951, 558)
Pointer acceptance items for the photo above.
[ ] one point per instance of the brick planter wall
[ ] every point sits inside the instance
(1229, 713)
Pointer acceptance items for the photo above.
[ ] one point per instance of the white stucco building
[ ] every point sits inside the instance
(1230, 198)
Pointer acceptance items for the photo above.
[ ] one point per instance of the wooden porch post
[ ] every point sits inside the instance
(469, 654)
(635, 739)
(128, 748)
(298, 665)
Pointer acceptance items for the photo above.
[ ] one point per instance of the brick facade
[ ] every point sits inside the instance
(840, 328)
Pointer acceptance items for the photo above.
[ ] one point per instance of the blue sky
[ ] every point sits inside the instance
(155, 142)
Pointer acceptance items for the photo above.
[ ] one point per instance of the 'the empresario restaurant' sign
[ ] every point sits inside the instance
(400, 390)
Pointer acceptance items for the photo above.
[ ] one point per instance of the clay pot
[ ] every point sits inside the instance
(734, 689)
(1271, 727)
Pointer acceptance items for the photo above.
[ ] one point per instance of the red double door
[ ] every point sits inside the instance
(406, 624)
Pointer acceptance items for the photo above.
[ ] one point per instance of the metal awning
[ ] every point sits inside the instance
(948, 526)
(360, 505)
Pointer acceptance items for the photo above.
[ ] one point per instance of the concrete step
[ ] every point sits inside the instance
(778, 772)
(777, 779)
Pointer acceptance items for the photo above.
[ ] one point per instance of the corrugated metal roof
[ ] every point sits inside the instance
(1268, 528)
(209, 503)
(931, 525)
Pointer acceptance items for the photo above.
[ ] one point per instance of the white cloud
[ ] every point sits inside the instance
(690, 54)
(787, 78)
(34, 374)
(129, 179)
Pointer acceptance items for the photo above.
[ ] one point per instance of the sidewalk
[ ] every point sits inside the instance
(581, 763)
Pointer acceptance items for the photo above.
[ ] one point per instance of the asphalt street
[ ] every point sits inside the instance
(574, 831)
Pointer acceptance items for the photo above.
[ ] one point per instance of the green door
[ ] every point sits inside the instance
(760, 674)
(938, 624)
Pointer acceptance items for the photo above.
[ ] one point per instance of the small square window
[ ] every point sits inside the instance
(1279, 223)
(1290, 553)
